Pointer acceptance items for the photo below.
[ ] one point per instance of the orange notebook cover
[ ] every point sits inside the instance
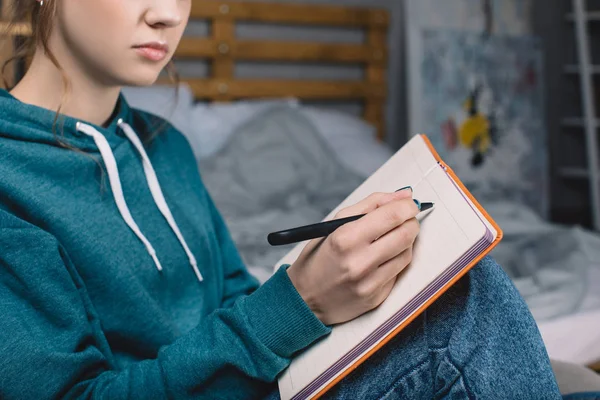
(460, 234)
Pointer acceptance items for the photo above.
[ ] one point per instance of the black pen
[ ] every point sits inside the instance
(321, 229)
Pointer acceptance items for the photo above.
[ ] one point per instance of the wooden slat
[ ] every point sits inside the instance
(596, 367)
(303, 89)
(290, 13)
(223, 32)
(256, 50)
(223, 66)
(375, 107)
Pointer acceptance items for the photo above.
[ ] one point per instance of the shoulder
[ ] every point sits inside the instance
(20, 239)
(149, 123)
(153, 126)
(168, 147)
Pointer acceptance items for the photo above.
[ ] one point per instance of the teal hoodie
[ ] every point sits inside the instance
(118, 276)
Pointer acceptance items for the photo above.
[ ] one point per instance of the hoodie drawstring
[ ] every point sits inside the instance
(152, 180)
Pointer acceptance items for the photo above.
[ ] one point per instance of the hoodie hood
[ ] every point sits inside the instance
(26, 122)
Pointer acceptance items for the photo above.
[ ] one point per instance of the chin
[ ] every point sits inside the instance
(141, 79)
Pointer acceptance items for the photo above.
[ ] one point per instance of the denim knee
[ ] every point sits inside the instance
(495, 342)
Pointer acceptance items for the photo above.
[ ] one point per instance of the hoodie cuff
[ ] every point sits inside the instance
(281, 318)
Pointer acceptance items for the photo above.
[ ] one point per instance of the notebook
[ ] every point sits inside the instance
(454, 236)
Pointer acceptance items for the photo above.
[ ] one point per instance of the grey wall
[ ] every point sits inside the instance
(395, 115)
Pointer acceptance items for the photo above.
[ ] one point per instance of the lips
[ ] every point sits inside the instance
(154, 51)
(155, 45)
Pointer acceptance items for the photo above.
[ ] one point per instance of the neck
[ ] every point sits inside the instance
(87, 100)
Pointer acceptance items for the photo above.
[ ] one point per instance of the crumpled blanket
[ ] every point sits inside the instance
(555, 268)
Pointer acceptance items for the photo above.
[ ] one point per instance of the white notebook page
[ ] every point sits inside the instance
(447, 233)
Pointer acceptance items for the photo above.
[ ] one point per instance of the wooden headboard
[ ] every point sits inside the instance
(224, 50)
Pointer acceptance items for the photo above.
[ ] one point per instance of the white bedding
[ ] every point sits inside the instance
(573, 338)
(557, 270)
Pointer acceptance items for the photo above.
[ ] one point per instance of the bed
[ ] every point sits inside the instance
(271, 160)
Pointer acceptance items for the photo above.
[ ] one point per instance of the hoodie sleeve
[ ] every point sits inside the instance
(238, 281)
(52, 344)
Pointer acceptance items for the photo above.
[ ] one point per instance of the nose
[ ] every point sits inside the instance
(164, 13)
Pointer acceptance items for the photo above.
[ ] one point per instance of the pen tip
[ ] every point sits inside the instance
(427, 206)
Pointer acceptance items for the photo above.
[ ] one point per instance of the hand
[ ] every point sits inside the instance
(354, 269)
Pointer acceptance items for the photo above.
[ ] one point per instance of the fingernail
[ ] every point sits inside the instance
(405, 188)
(418, 203)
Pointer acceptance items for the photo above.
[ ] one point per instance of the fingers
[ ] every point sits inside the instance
(388, 272)
(394, 242)
(377, 237)
(380, 221)
(365, 206)
(372, 202)
(370, 267)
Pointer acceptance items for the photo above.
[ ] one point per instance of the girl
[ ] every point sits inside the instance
(131, 287)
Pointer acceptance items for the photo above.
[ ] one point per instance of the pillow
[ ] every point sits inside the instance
(161, 100)
(352, 139)
(213, 124)
(339, 125)
(271, 157)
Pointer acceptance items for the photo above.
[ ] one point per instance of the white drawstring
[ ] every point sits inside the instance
(117, 190)
(157, 194)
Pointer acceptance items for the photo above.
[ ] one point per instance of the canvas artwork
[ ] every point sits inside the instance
(482, 107)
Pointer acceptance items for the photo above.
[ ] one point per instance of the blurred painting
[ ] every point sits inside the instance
(482, 107)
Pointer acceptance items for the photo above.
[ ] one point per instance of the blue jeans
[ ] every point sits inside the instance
(477, 341)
